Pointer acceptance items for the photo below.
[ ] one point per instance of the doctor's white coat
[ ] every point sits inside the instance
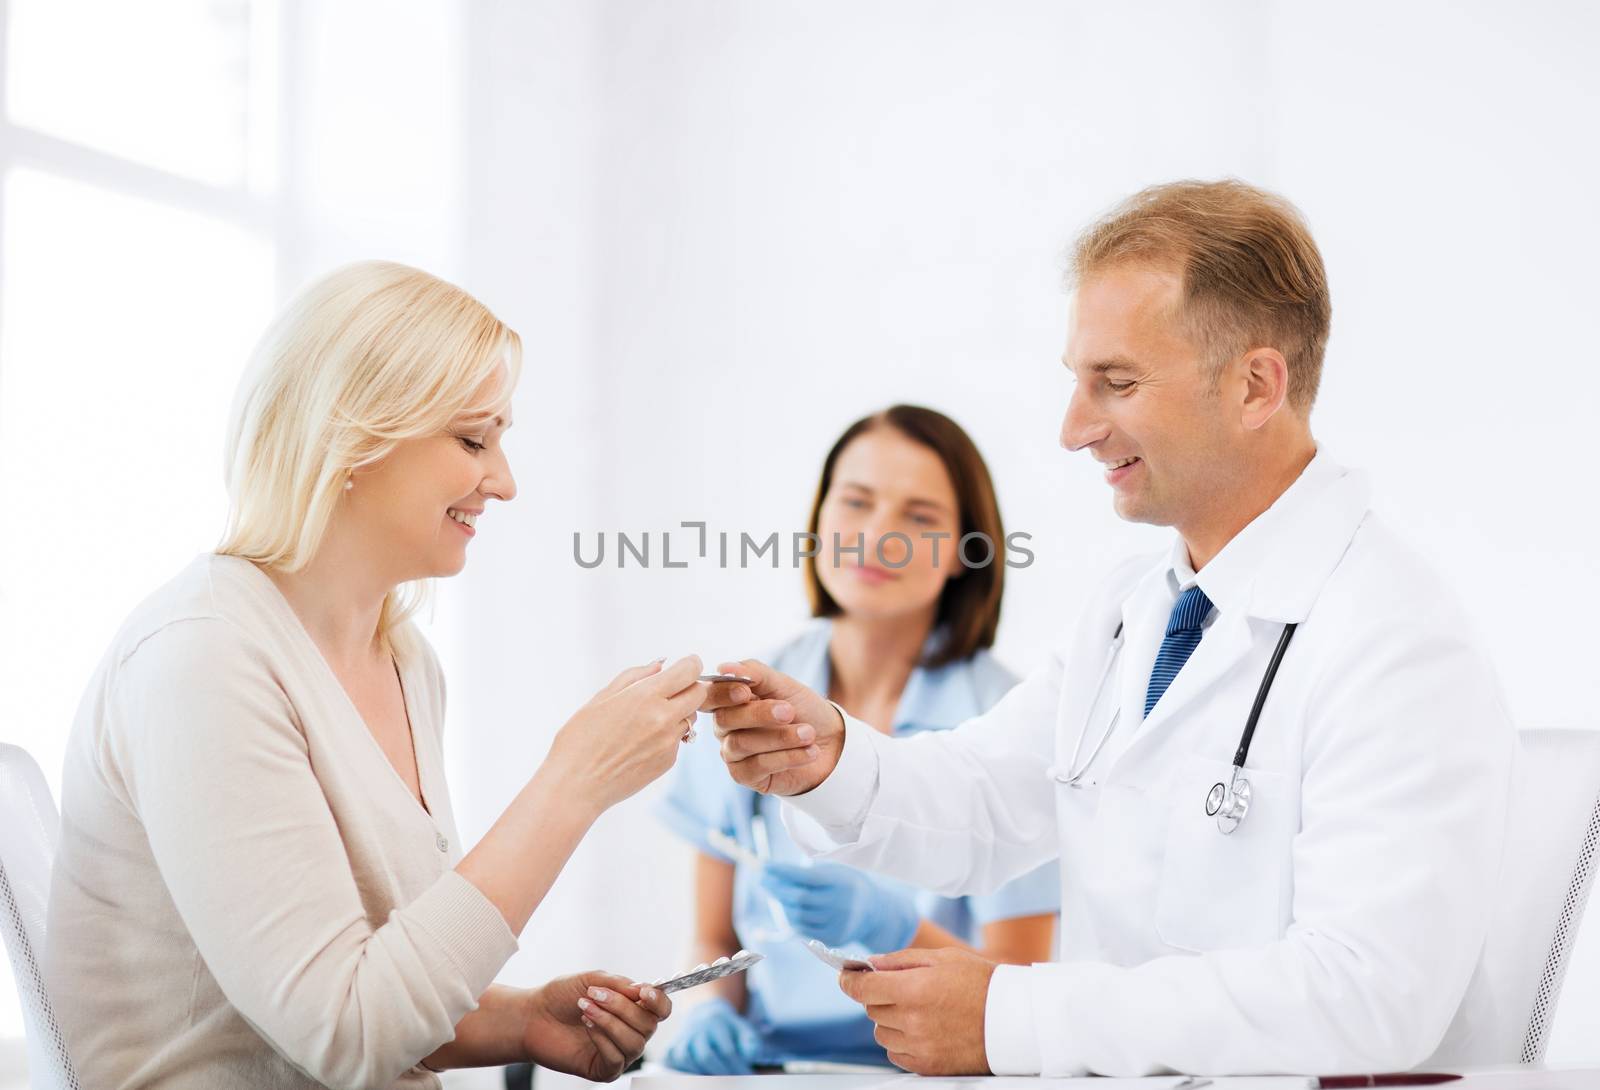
(1337, 929)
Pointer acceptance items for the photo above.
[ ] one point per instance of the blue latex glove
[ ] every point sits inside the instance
(840, 905)
(715, 1040)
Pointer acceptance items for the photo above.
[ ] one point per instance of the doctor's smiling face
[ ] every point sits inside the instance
(1140, 404)
(1184, 443)
(1197, 334)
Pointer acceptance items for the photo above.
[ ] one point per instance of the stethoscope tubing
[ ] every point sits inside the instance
(1071, 778)
(1261, 695)
(1237, 785)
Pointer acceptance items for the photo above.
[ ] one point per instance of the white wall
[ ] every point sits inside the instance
(727, 229)
(373, 135)
(533, 647)
(1442, 164)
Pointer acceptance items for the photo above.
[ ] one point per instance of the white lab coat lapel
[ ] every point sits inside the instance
(1104, 843)
(1222, 647)
(1303, 554)
(1306, 551)
(1088, 694)
(1083, 712)
(1145, 614)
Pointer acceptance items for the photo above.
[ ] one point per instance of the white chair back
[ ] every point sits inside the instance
(28, 829)
(1552, 839)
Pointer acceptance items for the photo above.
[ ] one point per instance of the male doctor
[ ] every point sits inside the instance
(1318, 909)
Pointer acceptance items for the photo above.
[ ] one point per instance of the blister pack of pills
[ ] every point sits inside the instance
(704, 974)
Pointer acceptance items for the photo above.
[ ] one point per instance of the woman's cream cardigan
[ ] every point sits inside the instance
(246, 893)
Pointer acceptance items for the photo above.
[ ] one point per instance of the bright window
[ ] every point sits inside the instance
(165, 85)
(138, 218)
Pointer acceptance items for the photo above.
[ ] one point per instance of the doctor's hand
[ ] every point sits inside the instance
(928, 1006)
(840, 905)
(715, 1040)
(628, 734)
(777, 736)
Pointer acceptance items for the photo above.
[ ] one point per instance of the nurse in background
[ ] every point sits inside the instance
(905, 645)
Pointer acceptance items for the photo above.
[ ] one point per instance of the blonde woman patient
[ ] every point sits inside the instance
(259, 881)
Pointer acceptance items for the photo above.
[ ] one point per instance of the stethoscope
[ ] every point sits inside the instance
(1227, 802)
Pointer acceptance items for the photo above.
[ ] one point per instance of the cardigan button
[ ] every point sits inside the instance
(444, 845)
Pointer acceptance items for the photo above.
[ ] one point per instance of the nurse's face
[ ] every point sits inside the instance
(884, 483)
(1143, 404)
(404, 506)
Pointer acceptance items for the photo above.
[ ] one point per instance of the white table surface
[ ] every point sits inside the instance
(1558, 1077)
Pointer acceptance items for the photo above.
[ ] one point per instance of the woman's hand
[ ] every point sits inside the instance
(628, 734)
(593, 1025)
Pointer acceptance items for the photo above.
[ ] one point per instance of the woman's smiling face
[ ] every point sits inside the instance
(885, 483)
(406, 505)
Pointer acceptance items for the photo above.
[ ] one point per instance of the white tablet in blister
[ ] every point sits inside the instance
(838, 959)
(704, 974)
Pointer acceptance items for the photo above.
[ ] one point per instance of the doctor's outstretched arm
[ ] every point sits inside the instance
(958, 812)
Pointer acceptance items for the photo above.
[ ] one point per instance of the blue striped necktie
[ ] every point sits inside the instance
(1183, 636)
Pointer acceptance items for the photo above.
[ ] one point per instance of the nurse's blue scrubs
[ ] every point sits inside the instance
(794, 1000)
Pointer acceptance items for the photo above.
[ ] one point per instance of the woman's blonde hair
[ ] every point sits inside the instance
(373, 353)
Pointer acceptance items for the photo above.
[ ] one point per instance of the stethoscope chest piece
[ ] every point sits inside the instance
(1229, 802)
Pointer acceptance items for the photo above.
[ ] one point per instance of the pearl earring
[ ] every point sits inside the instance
(349, 482)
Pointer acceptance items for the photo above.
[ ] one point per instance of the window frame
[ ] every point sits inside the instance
(262, 203)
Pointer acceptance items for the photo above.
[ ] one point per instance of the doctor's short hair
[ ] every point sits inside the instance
(969, 605)
(1252, 274)
(371, 354)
